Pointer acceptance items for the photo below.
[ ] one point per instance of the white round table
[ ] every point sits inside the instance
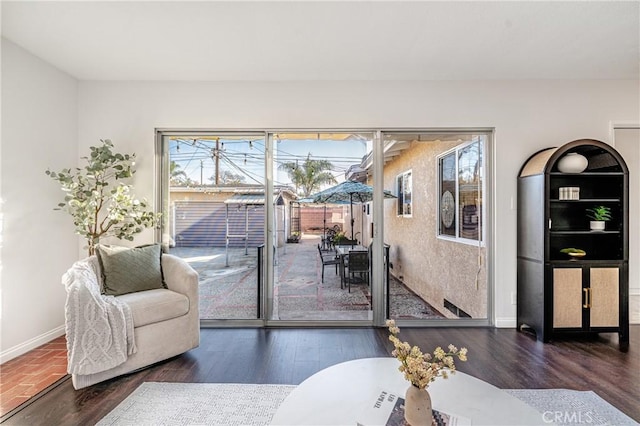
(340, 394)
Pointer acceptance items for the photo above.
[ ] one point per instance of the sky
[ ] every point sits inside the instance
(245, 156)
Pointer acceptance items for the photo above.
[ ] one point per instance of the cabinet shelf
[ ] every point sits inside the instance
(582, 232)
(588, 200)
(586, 262)
(587, 174)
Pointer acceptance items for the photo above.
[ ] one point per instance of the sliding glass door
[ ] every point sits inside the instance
(313, 277)
(214, 216)
(331, 228)
(436, 232)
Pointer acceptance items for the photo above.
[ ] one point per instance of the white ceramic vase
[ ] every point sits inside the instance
(597, 225)
(417, 407)
(573, 163)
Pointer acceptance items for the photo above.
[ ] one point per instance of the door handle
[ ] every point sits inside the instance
(585, 298)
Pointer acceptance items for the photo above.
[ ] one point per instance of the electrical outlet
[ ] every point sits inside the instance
(514, 298)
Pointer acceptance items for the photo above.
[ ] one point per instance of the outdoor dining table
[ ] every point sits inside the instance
(343, 252)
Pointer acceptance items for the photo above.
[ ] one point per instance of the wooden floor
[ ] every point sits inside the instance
(503, 357)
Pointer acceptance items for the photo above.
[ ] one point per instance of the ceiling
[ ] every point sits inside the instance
(303, 40)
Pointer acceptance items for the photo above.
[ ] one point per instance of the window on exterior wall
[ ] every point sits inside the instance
(460, 183)
(404, 190)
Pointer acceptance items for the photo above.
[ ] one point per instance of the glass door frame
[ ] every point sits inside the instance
(378, 289)
(162, 165)
(487, 214)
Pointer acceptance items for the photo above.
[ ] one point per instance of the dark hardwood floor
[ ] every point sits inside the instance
(503, 357)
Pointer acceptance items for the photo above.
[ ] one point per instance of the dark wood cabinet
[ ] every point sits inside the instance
(559, 294)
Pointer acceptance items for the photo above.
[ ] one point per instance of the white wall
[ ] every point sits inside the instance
(39, 131)
(627, 142)
(526, 115)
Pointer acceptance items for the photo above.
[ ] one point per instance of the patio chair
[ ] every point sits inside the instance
(328, 260)
(358, 264)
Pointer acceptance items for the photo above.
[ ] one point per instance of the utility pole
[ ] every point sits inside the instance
(201, 171)
(217, 161)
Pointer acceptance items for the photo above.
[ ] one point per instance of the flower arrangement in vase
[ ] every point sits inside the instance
(420, 370)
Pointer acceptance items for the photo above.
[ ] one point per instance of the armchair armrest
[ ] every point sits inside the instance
(180, 277)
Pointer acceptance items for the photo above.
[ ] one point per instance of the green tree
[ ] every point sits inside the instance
(100, 203)
(310, 175)
(229, 178)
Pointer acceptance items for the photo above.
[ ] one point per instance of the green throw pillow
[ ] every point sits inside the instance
(127, 270)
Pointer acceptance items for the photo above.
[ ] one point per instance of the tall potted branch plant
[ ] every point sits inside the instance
(99, 201)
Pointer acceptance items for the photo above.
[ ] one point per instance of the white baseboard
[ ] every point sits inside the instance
(25, 347)
(509, 322)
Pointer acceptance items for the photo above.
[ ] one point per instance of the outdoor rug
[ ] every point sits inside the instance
(247, 404)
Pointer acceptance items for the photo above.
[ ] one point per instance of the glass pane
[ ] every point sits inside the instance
(400, 194)
(315, 280)
(433, 274)
(407, 191)
(469, 188)
(448, 195)
(215, 217)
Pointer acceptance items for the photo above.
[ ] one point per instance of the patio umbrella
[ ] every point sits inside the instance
(348, 191)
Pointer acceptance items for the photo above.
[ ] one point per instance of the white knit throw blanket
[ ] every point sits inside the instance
(99, 328)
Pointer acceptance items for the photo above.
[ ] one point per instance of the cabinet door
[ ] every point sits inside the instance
(567, 297)
(604, 297)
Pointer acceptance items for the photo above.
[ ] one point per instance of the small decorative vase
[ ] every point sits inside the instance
(573, 163)
(597, 225)
(417, 407)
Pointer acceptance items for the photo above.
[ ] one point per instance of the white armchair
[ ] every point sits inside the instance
(165, 321)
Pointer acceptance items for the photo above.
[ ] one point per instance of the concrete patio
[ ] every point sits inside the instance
(230, 292)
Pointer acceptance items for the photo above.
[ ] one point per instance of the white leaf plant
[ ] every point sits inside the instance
(98, 199)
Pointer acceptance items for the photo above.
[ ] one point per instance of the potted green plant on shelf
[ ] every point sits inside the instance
(100, 203)
(598, 215)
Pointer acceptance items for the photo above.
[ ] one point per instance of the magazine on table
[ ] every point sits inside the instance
(387, 409)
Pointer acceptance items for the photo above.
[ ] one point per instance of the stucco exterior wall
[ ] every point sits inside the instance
(435, 269)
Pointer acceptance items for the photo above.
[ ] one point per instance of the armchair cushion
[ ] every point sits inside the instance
(156, 305)
(128, 270)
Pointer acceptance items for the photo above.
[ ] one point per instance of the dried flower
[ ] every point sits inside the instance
(421, 369)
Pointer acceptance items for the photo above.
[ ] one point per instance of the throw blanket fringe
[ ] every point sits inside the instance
(99, 328)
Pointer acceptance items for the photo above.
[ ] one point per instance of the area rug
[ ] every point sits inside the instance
(252, 405)
(564, 406)
(154, 403)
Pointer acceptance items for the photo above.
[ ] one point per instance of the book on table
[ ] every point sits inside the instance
(387, 409)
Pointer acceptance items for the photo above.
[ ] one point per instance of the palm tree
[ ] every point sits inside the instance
(178, 177)
(310, 176)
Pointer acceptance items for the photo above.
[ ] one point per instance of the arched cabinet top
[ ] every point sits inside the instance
(600, 156)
